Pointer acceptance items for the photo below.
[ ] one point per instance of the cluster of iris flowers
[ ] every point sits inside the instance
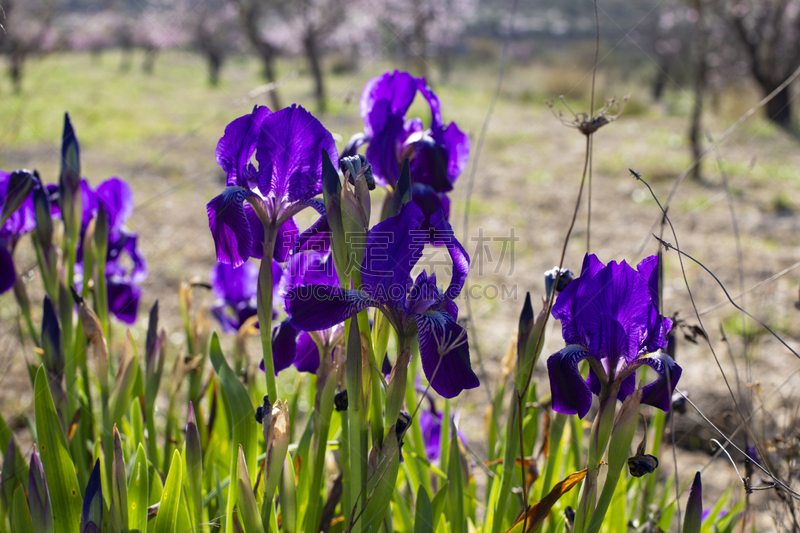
(254, 217)
(33, 205)
(609, 314)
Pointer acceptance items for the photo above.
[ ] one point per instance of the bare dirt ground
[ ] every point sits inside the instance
(527, 179)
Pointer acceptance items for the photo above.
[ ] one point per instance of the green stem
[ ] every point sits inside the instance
(101, 299)
(265, 310)
(322, 425)
(509, 461)
(358, 452)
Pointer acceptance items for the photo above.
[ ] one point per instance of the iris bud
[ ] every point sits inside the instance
(694, 507)
(19, 187)
(340, 401)
(550, 280)
(276, 436)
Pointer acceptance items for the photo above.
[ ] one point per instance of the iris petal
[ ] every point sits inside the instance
(236, 147)
(443, 233)
(8, 274)
(444, 353)
(229, 226)
(284, 345)
(123, 300)
(316, 307)
(289, 154)
(117, 199)
(659, 393)
(571, 394)
(393, 248)
(307, 358)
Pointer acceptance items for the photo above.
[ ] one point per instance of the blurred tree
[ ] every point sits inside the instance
(314, 21)
(769, 32)
(427, 28)
(254, 16)
(215, 34)
(27, 31)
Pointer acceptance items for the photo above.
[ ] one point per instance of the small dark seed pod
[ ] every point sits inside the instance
(340, 401)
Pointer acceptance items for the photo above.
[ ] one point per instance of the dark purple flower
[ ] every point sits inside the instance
(235, 292)
(288, 146)
(303, 350)
(414, 308)
(438, 154)
(610, 314)
(126, 266)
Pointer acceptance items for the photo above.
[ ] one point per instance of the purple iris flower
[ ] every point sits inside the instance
(288, 146)
(437, 154)
(126, 266)
(417, 308)
(293, 346)
(610, 315)
(18, 224)
(235, 290)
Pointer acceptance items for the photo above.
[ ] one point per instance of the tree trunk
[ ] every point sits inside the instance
(779, 109)
(269, 74)
(149, 59)
(660, 81)
(214, 67)
(700, 68)
(15, 71)
(312, 54)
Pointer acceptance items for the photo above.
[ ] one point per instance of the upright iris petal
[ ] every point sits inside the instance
(414, 308)
(288, 147)
(438, 154)
(610, 314)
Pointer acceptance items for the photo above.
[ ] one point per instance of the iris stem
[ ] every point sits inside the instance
(509, 461)
(265, 309)
(326, 388)
(598, 442)
(358, 453)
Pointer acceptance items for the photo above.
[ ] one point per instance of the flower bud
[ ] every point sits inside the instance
(276, 436)
(19, 187)
(51, 339)
(552, 275)
(44, 218)
(694, 507)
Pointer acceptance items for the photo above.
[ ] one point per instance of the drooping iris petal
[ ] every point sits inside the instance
(8, 274)
(317, 307)
(229, 226)
(571, 394)
(289, 154)
(284, 345)
(117, 199)
(316, 238)
(444, 353)
(659, 393)
(393, 248)
(443, 234)
(123, 300)
(429, 165)
(236, 147)
(456, 145)
(308, 268)
(307, 357)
